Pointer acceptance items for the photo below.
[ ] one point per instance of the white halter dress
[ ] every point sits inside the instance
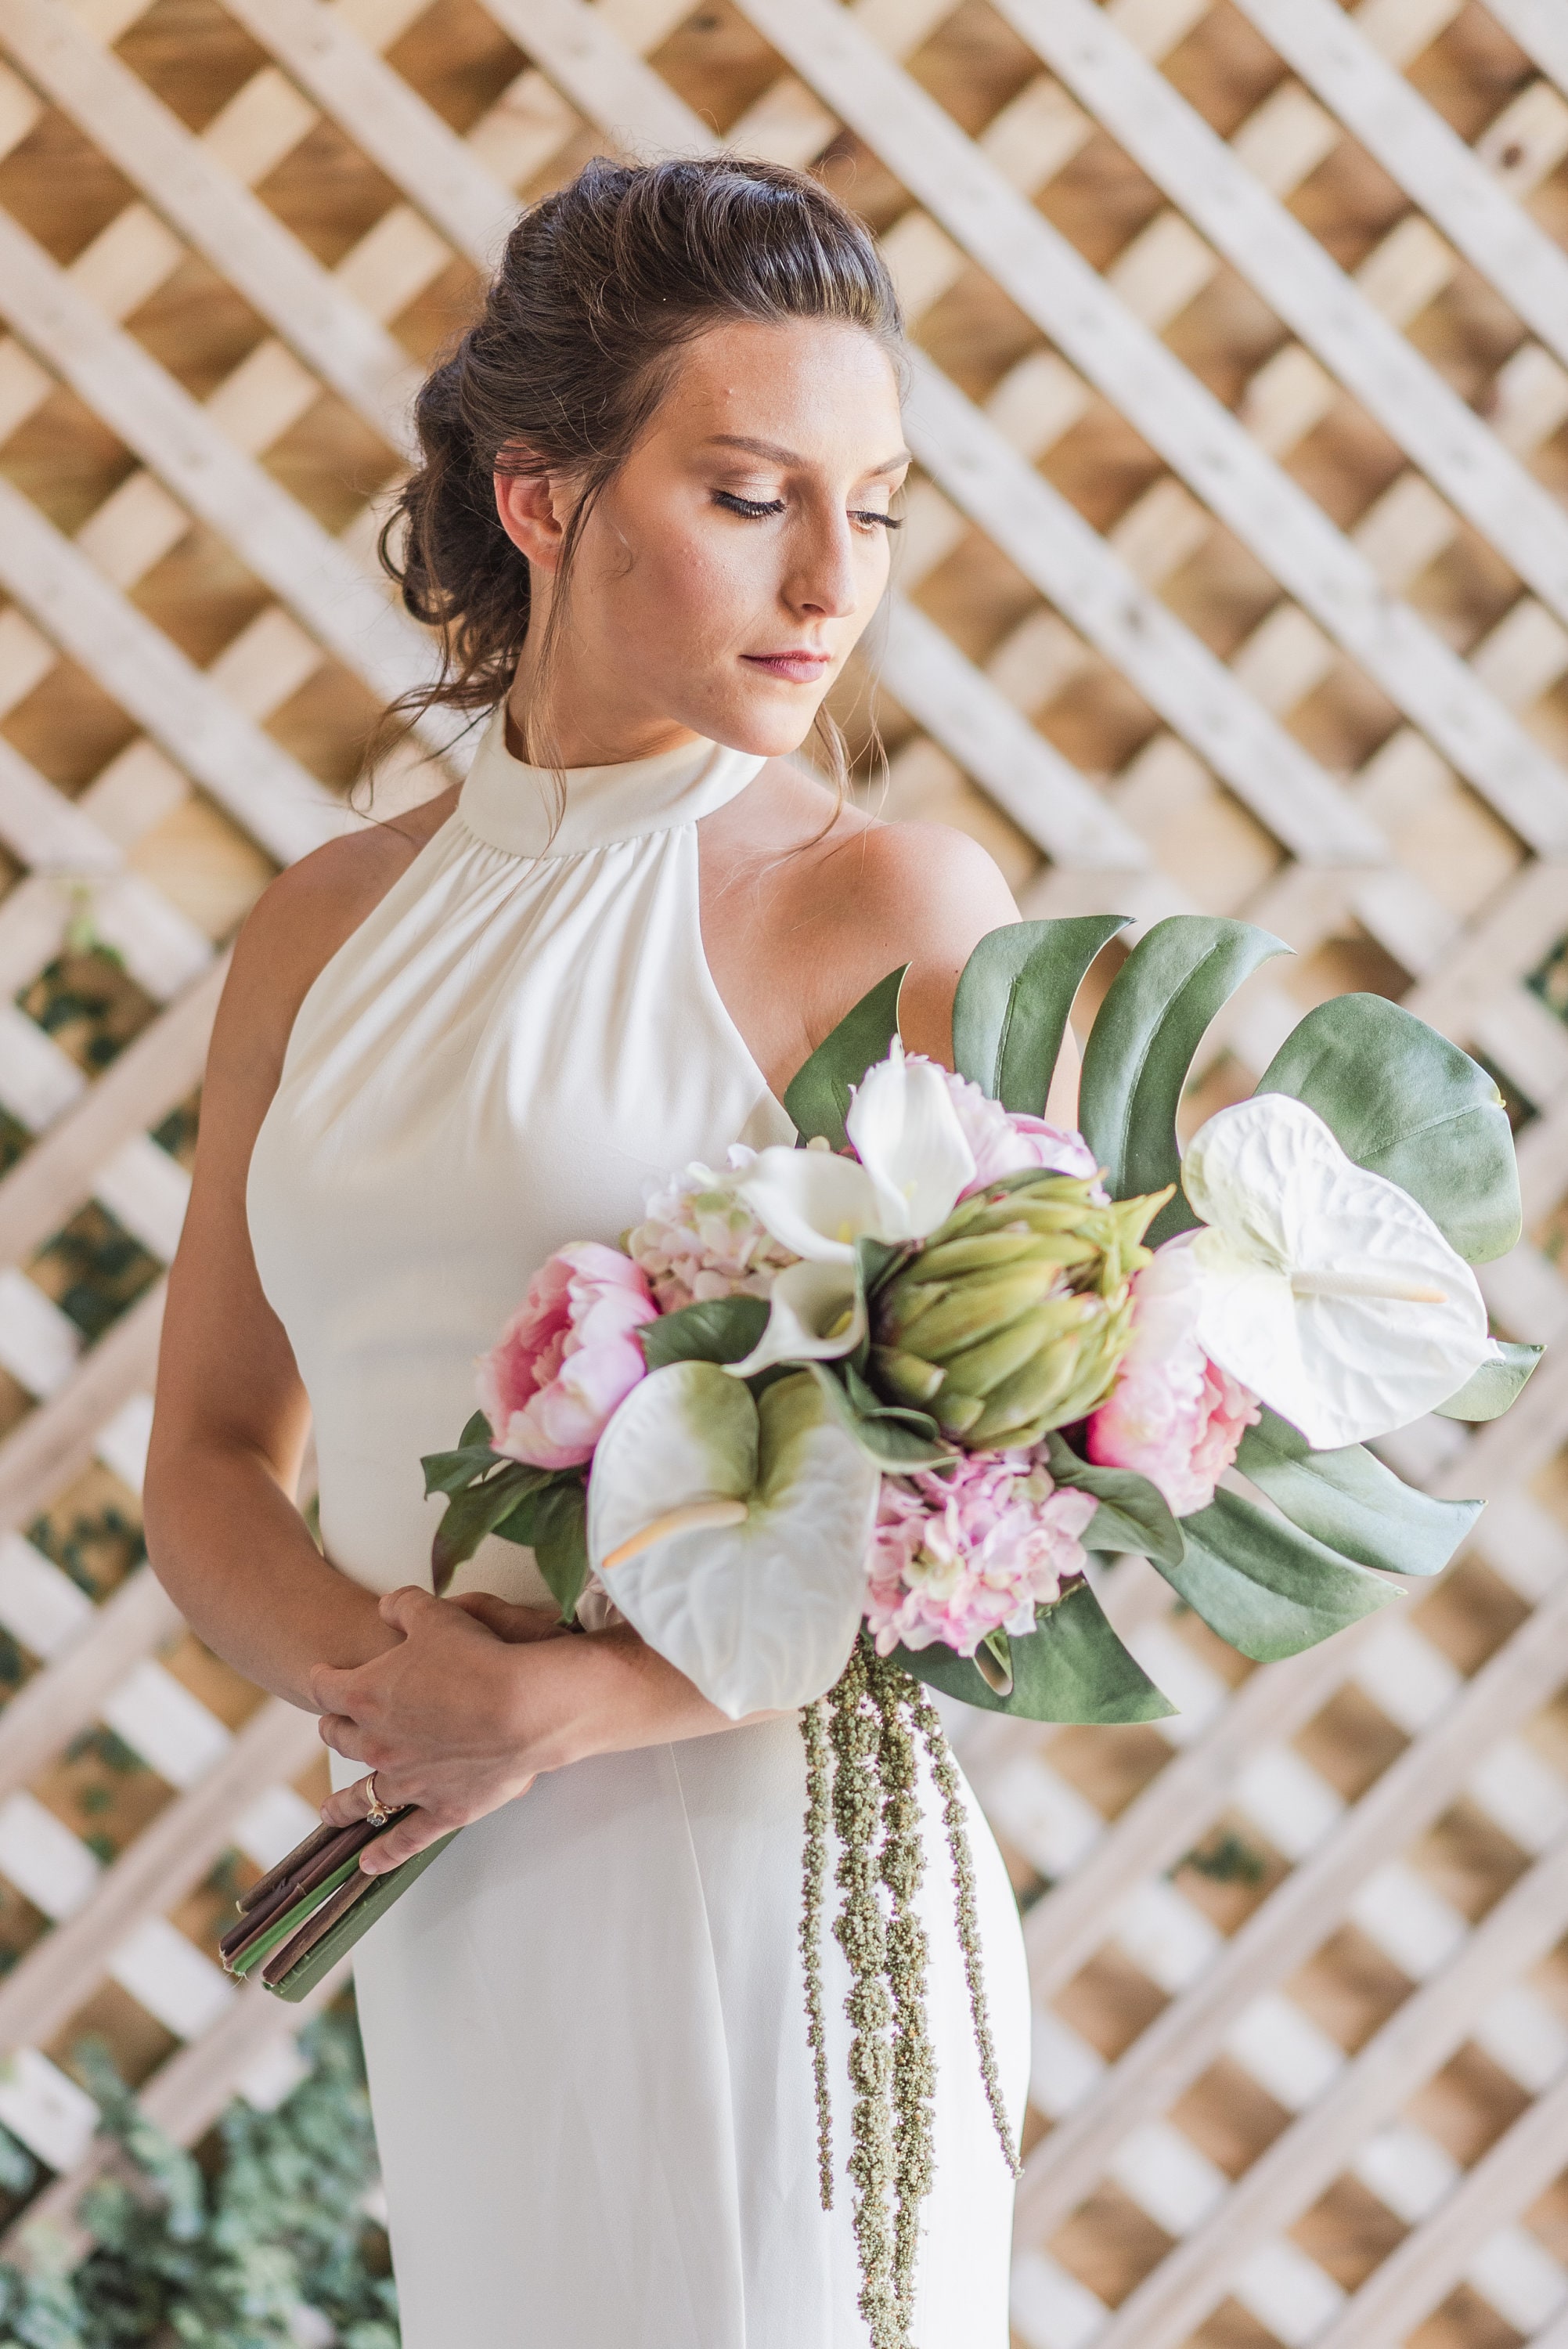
(584, 2024)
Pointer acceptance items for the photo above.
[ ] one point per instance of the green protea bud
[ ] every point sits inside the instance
(1013, 1316)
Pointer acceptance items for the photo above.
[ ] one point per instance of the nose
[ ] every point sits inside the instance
(822, 582)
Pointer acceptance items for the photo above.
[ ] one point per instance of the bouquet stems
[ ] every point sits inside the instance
(305, 1913)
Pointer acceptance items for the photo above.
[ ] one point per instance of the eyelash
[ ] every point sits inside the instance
(754, 509)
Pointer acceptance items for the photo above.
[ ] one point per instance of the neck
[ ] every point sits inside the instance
(569, 737)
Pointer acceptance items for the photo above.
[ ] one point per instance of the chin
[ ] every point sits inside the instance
(766, 725)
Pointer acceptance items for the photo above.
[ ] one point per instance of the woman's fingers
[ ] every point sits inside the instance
(516, 1625)
(343, 1736)
(403, 1607)
(330, 1687)
(349, 1805)
(400, 1843)
(341, 1810)
(439, 1716)
(421, 1827)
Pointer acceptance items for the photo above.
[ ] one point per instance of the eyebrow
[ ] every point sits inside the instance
(792, 457)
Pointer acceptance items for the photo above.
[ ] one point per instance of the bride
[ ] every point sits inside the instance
(651, 521)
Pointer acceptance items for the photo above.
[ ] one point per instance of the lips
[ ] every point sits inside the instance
(796, 667)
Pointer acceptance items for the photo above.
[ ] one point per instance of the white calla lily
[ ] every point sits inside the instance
(907, 1136)
(912, 1163)
(733, 1535)
(813, 1202)
(1327, 1289)
(815, 1315)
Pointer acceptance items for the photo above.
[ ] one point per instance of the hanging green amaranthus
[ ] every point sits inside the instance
(862, 1766)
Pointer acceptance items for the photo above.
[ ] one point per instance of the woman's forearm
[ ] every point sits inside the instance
(611, 1692)
(238, 1561)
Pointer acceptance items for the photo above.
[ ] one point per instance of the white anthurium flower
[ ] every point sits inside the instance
(733, 1534)
(912, 1163)
(1327, 1289)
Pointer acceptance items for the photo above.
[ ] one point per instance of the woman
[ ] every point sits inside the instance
(651, 521)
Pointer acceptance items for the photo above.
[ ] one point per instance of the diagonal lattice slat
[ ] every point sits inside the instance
(1235, 578)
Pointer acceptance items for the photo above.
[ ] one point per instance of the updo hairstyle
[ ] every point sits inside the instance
(599, 287)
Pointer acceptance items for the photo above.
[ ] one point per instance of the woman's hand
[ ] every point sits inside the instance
(443, 1718)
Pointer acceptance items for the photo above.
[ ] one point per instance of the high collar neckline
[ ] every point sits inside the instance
(512, 806)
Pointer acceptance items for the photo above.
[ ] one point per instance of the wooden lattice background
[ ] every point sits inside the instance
(1236, 578)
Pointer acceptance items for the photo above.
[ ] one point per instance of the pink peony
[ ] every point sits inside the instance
(699, 1239)
(1007, 1142)
(567, 1358)
(957, 1555)
(1174, 1415)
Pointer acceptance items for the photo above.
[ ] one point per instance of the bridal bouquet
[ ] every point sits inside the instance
(835, 1423)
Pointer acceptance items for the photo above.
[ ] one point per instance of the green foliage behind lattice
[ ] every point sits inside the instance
(188, 2260)
(89, 1004)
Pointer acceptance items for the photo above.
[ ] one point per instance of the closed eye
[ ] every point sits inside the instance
(755, 509)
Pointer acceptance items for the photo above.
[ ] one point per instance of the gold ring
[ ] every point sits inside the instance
(376, 1814)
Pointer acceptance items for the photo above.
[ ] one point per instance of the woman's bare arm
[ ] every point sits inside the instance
(231, 1416)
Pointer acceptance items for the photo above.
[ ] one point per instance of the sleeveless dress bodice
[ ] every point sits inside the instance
(520, 1036)
(584, 2024)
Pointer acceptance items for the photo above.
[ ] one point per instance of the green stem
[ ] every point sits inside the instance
(278, 1931)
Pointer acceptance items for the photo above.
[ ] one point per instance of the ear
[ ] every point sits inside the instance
(533, 513)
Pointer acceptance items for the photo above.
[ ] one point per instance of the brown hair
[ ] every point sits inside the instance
(599, 287)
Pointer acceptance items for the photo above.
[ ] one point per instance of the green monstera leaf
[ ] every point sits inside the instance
(818, 1095)
(1010, 1013)
(1405, 1104)
(1264, 1587)
(1349, 1501)
(1141, 1048)
(1488, 1392)
(1072, 1667)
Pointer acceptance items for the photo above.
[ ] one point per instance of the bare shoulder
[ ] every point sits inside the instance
(841, 898)
(911, 874)
(926, 895)
(928, 879)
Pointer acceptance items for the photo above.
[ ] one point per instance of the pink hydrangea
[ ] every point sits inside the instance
(699, 1239)
(1008, 1142)
(955, 1557)
(567, 1359)
(1173, 1414)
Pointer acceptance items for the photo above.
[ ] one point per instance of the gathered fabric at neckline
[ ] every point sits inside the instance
(512, 806)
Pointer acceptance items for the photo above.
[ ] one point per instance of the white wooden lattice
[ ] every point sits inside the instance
(1236, 578)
